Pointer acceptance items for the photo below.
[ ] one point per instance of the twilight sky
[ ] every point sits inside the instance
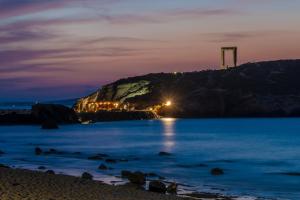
(58, 49)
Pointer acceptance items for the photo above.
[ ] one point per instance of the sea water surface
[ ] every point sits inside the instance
(260, 157)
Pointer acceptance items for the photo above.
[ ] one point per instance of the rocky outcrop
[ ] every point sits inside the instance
(264, 89)
(11, 117)
(216, 171)
(157, 186)
(54, 112)
(87, 176)
(48, 115)
(137, 178)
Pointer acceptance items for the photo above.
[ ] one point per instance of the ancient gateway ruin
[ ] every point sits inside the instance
(223, 60)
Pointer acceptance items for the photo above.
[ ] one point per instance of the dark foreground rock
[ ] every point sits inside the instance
(4, 166)
(217, 171)
(103, 167)
(41, 168)
(38, 151)
(50, 172)
(109, 160)
(163, 153)
(87, 176)
(172, 188)
(291, 173)
(157, 186)
(137, 178)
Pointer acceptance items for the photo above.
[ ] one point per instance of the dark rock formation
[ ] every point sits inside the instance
(49, 115)
(217, 171)
(157, 186)
(291, 173)
(38, 151)
(172, 188)
(50, 172)
(151, 174)
(109, 160)
(87, 176)
(53, 112)
(162, 153)
(103, 167)
(22, 117)
(41, 168)
(96, 157)
(137, 178)
(4, 166)
(53, 151)
(264, 89)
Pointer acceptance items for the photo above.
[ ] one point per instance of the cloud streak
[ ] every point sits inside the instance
(23, 35)
(11, 8)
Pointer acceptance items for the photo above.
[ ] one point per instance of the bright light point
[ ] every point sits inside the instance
(168, 119)
(168, 103)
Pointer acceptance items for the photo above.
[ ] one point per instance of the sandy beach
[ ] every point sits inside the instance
(17, 184)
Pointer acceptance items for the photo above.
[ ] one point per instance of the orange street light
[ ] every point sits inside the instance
(168, 103)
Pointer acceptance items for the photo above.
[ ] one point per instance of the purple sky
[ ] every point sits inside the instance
(59, 49)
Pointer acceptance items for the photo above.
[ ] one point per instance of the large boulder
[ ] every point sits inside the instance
(38, 151)
(216, 171)
(87, 176)
(157, 186)
(50, 172)
(163, 153)
(172, 188)
(46, 113)
(103, 167)
(137, 178)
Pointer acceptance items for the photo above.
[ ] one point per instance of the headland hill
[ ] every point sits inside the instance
(262, 89)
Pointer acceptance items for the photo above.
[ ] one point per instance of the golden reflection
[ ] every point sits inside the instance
(169, 132)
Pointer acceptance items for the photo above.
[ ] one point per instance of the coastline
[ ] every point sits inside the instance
(18, 184)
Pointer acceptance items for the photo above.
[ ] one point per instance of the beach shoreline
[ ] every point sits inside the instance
(16, 184)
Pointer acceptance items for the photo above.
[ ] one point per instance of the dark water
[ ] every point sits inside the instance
(260, 157)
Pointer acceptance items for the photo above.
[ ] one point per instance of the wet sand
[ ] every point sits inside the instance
(17, 184)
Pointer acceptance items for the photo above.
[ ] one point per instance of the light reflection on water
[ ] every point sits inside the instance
(169, 133)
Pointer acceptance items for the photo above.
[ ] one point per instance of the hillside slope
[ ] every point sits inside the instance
(263, 89)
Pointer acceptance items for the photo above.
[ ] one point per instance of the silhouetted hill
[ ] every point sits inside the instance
(263, 89)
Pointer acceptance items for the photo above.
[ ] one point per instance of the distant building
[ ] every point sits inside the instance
(223, 60)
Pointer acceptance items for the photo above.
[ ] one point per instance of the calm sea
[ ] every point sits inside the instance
(260, 157)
